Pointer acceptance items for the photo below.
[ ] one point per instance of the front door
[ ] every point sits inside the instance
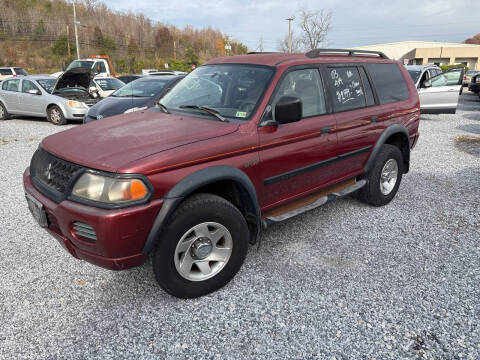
(440, 93)
(294, 157)
(33, 104)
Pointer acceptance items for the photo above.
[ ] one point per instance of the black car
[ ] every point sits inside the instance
(137, 95)
(474, 85)
(129, 78)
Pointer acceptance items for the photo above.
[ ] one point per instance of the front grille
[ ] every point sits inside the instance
(52, 175)
(84, 230)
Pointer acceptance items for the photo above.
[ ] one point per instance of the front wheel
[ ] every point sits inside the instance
(202, 248)
(55, 115)
(384, 178)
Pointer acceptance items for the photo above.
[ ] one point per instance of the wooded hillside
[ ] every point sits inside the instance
(37, 35)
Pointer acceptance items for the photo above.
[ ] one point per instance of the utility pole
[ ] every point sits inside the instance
(290, 19)
(174, 50)
(76, 31)
(68, 41)
(260, 47)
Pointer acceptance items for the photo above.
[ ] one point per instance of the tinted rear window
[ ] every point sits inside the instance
(6, 72)
(20, 71)
(389, 82)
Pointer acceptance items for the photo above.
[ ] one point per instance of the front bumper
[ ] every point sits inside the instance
(75, 113)
(120, 233)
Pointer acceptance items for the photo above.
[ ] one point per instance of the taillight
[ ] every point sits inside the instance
(464, 78)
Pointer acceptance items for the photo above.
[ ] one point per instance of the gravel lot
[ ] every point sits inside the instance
(345, 281)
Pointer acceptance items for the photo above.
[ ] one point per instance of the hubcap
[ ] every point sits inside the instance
(55, 115)
(203, 251)
(389, 176)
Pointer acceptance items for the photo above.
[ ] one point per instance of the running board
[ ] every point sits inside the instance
(311, 201)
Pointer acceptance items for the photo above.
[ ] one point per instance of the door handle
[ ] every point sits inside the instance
(325, 130)
(373, 119)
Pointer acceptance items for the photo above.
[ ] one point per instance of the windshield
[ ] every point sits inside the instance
(414, 75)
(141, 88)
(80, 63)
(47, 84)
(109, 84)
(230, 89)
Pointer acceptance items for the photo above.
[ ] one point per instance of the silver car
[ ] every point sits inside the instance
(438, 92)
(59, 100)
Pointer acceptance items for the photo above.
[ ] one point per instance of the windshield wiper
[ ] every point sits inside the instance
(163, 107)
(205, 109)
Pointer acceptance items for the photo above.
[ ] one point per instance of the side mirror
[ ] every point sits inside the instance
(34, 92)
(288, 109)
(427, 83)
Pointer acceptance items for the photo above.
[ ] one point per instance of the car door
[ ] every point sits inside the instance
(295, 157)
(439, 95)
(32, 104)
(10, 95)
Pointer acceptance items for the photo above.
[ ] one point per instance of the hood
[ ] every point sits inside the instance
(117, 141)
(117, 105)
(76, 77)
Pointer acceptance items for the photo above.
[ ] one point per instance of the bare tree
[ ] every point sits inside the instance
(296, 44)
(315, 26)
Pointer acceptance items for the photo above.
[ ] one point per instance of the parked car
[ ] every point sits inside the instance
(7, 72)
(474, 85)
(105, 86)
(129, 78)
(468, 76)
(59, 100)
(138, 95)
(438, 91)
(239, 144)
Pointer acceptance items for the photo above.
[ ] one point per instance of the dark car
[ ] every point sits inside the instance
(474, 85)
(129, 78)
(241, 143)
(140, 94)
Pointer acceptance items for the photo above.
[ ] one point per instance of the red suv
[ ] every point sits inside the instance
(240, 143)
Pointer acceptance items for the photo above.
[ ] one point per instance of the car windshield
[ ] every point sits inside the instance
(80, 63)
(109, 84)
(232, 90)
(142, 88)
(47, 84)
(414, 74)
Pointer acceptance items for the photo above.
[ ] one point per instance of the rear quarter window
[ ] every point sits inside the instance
(389, 82)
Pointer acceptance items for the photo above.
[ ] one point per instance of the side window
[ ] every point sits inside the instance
(305, 84)
(11, 85)
(346, 88)
(102, 67)
(28, 85)
(389, 82)
(367, 88)
(6, 72)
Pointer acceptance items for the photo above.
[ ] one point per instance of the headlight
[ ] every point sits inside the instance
(110, 190)
(135, 109)
(75, 104)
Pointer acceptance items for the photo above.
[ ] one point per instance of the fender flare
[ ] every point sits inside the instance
(389, 131)
(192, 182)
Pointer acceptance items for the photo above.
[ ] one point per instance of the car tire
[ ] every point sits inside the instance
(55, 115)
(3, 113)
(202, 248)
(384, 178)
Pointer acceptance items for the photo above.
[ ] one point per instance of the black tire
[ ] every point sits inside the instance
(371, 193)
(55, 115)
(195, 210)
(3, 113)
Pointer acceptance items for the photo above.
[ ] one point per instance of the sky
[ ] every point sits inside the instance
(354, 22)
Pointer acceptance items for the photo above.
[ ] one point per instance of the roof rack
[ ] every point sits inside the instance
(263, 52)
(349, 52)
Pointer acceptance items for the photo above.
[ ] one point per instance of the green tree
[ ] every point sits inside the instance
(132, 48)
(60, 47)
(98, 37)
(39, 31)
(191, 57)
(109, 44)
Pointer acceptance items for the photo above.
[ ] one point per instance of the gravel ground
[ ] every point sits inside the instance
(344, 281)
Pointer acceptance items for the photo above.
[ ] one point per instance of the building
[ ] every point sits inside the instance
(430, 52)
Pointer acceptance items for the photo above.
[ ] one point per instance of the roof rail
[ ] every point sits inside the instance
(349, 52)
(263, 52)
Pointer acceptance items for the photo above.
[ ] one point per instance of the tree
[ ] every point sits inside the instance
(109, 44)
(220, 47)
(39, 31)
(296, 44)
(60, 47)
(473, 40)
(191, 57)
(132, 48)
(98, 37)
(164, 41)
(315, 26)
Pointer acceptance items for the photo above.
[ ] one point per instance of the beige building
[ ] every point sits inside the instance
(430, 52)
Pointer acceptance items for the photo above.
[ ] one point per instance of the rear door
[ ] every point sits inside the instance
(439, 94)
(9, 95)
(296, 157)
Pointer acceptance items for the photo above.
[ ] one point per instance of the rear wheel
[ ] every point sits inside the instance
(384, 178)
(3, 112)
(202, 248)
(55, 115)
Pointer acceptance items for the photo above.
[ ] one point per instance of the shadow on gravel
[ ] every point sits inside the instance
(471, 128)
(474, 116)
